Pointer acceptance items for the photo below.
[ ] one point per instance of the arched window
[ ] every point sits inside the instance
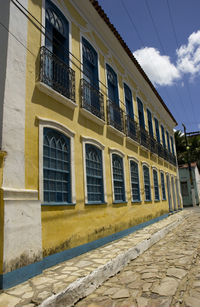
(94, 174)
(156, 186)
(56, 167)
(147, 186)
(118, 178)
(163, 186)
(135, 185)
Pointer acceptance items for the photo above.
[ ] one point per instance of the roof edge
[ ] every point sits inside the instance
(103, 15)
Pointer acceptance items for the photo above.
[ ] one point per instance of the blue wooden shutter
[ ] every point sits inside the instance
(163, 186)
(128, 101)
(135, 186)
(168, 142)
(156, 187)
(118, 178)
(157, 130)
(150, 123)
(141, 113)
(163, 136)
(147, 187)
(112, 85)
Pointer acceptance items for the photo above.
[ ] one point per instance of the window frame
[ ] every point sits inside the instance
(125, 85)
(149, 112)
(120, 154)
(148, 167)
(48, 123)
(106, 72)
(162, 173)
(89, 140)
(154, 169)
(66, 14)
(157, 136)
(131, 159)
(140, 100)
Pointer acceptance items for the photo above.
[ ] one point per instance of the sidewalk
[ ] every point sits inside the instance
(66, 283)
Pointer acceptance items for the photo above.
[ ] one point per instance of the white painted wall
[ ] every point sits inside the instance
(22, 233)
(4, 19)
(13, 131)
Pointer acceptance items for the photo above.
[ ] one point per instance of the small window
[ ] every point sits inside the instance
(118, 178)
(156, 187)
(112, 85)
(147, 186)
(150, 126)
(163, 136)
(56, 167)
(94, 174)
(168, 142)
(163, 186)
(128, 101)
(141, 113)
(172, 144)
(157, 130)
(135, 186)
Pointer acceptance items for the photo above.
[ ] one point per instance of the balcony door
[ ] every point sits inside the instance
(56, 54)
(90, 72)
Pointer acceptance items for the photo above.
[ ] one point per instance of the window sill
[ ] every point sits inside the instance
(148, 200)
(55, 95)
(136, 201)
(58, 204)
(95, 203)
(156, 200)
(92, 117)
(119, 202)
(116, 131)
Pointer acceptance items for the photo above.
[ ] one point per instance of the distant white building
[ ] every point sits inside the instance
(186, 185)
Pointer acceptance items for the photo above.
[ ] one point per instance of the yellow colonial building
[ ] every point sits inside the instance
(87, 145)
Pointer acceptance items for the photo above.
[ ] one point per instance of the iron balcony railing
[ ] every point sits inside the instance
(115, 116)
(132, 129)
(57, 74)
(153, 145)
(160, 150)
(92, 99)
(144, 138)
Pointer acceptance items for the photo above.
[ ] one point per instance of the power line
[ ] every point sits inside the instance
(176, 40)
(132, 22)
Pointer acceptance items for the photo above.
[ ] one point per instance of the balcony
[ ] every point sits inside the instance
(56, 75)
(132, 129)
(153, 145)
(160, 150)
(115, 116)
(92, 102)
(144, 138)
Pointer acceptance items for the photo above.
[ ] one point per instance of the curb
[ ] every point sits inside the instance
(84, 286)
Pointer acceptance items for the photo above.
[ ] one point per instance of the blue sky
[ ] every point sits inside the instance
(164, 36)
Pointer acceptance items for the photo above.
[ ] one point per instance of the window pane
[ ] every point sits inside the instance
(135, 181)
(94, 174)
(147, 186)
(118, 178)
(56, 167)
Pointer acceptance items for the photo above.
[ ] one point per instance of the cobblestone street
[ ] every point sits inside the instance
(168, 274)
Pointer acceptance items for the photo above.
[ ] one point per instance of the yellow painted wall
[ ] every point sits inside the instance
(69, 226)
(2, 155)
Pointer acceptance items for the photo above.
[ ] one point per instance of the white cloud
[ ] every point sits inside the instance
(158, 67)
(189, 55)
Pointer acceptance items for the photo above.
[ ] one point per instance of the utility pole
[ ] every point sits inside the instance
(189, 167)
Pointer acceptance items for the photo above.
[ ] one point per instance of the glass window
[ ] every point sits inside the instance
(135, 186)
(118, 178)
(94, 174)
(163, 136)
(163, 186)
(157, 130)
(150, 126)
(141, 113)
(56, 167)
(172, 145)
(147, 186)
(128, 101)
(168, 143)
(112, 85)
(156, 187)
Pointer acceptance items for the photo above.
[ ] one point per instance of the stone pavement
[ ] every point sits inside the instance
(165, 274)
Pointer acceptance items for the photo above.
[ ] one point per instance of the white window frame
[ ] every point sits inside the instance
(147, 165)
(89, 140)
(122, 155)
(155, 169)
(165, 182)
(48, 123)
(130, 158)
